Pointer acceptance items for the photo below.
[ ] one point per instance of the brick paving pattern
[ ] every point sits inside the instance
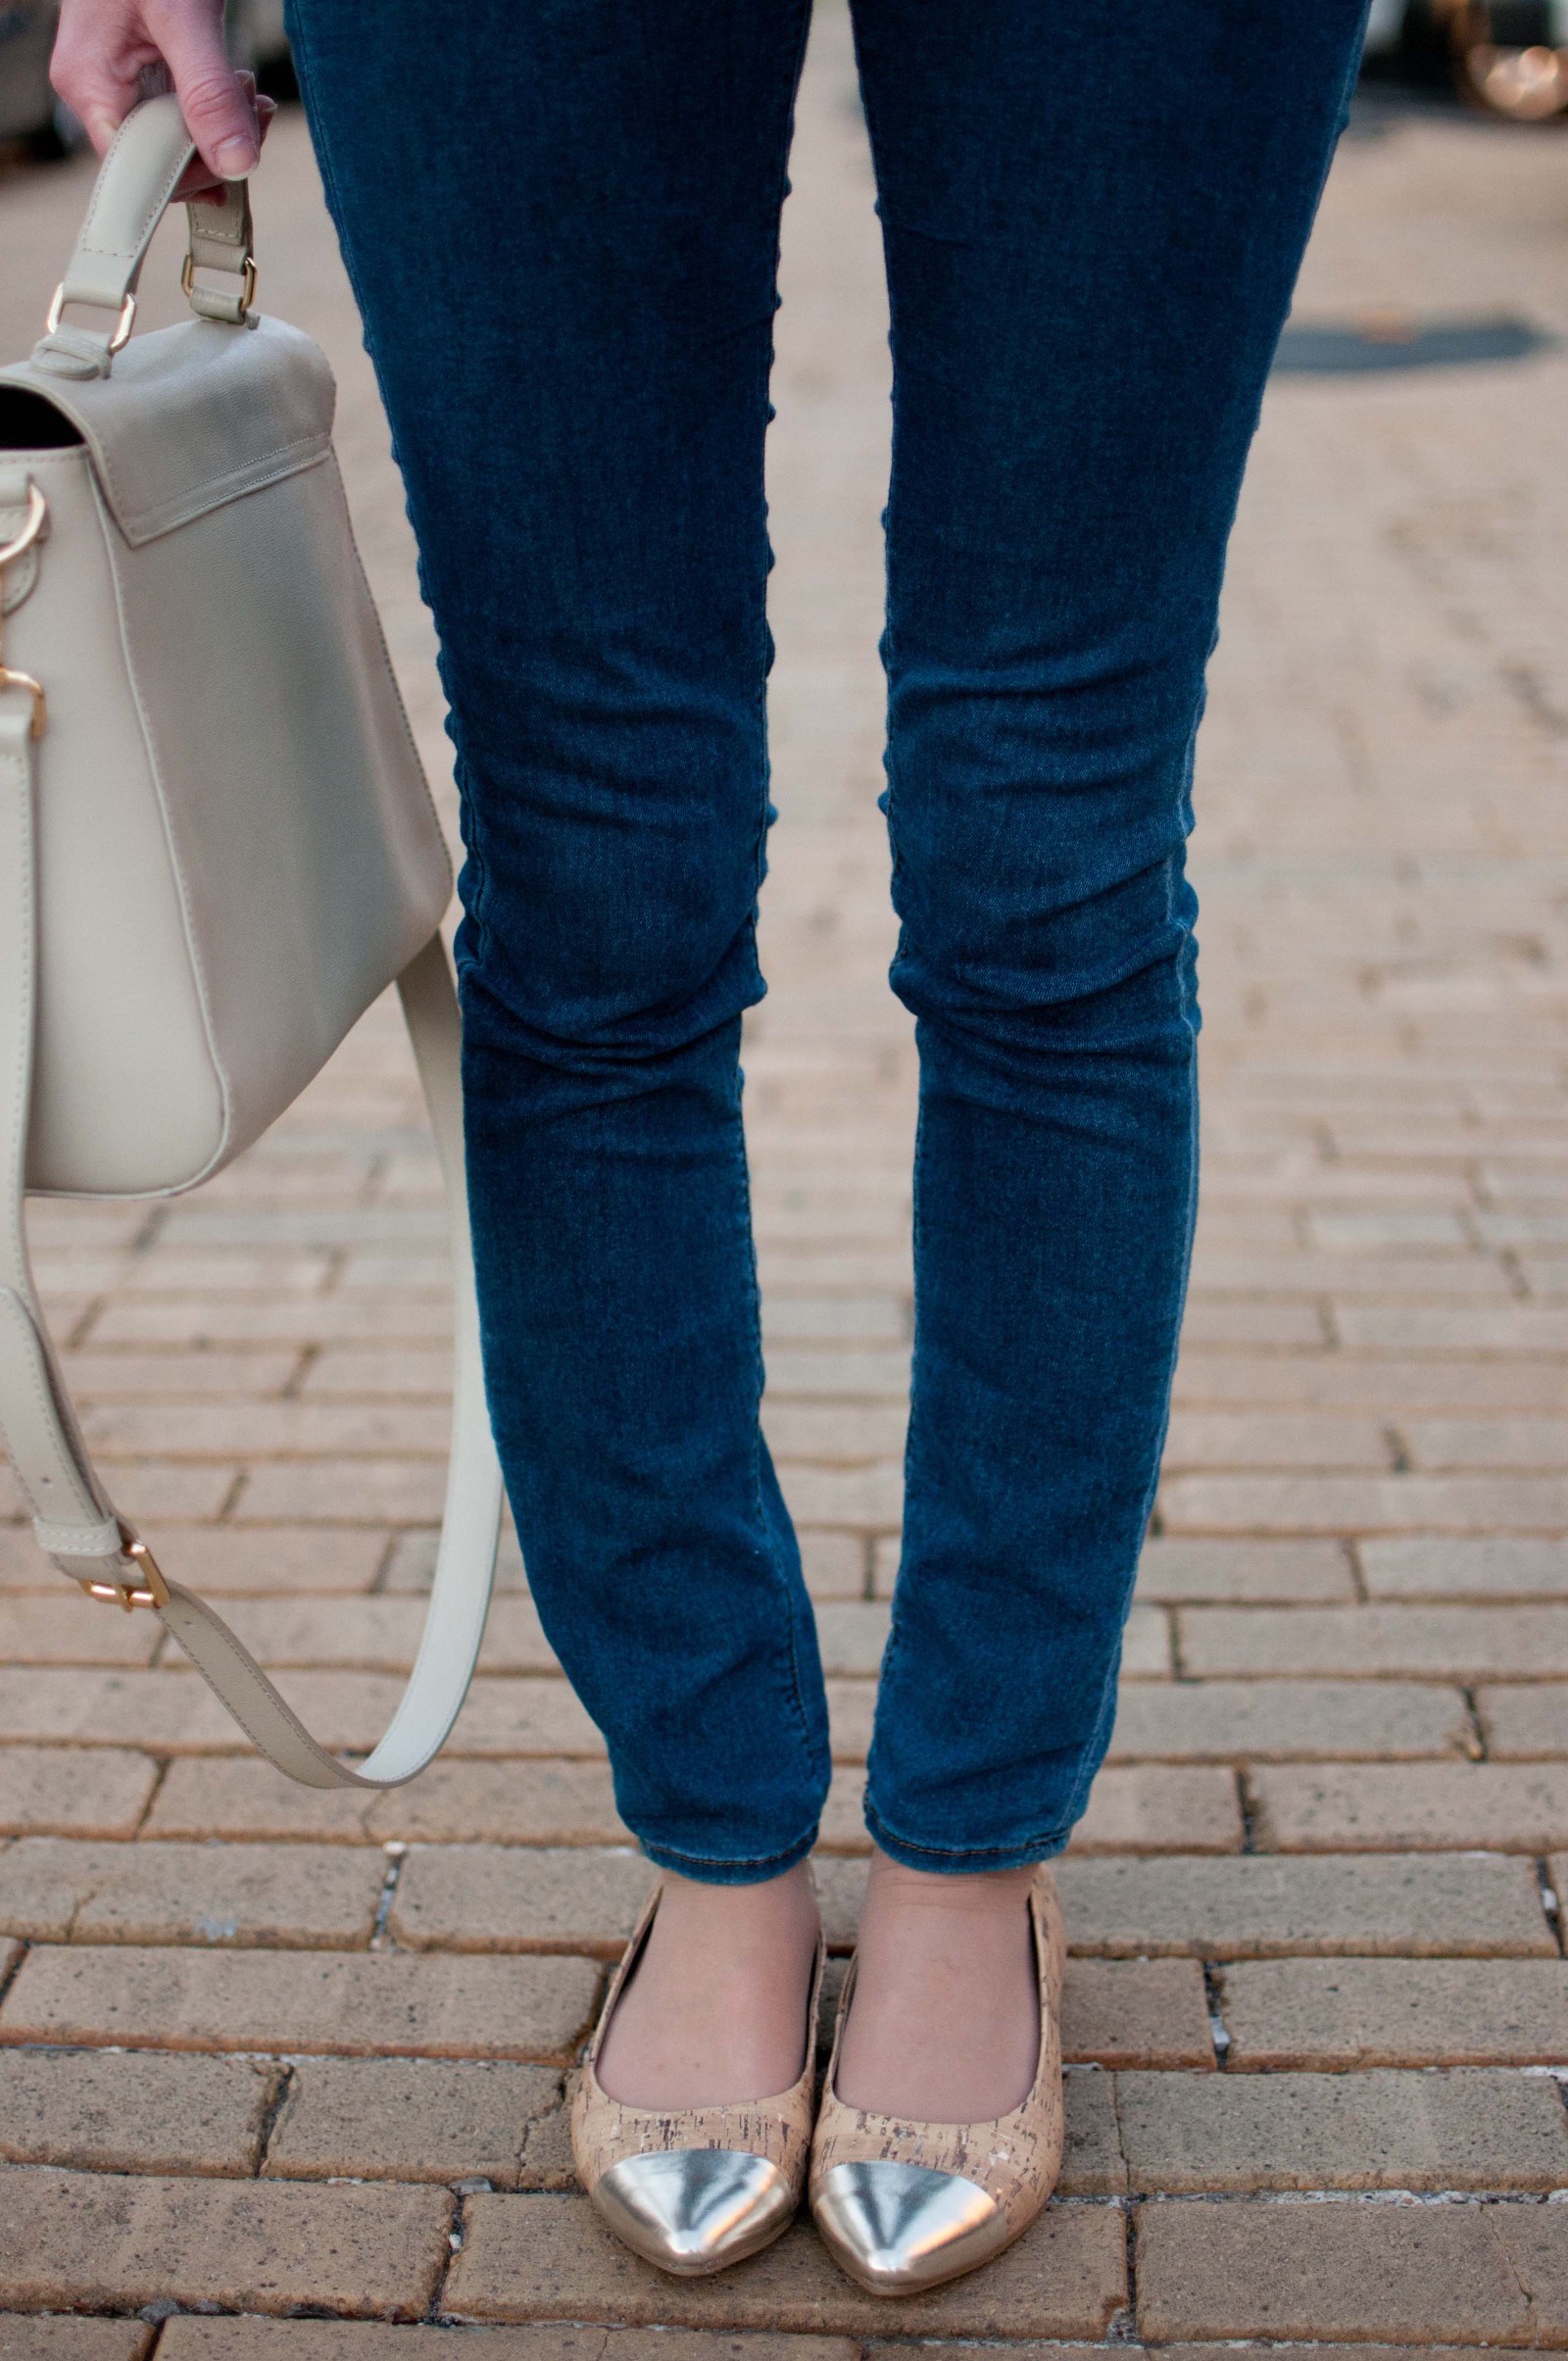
(265, 2052)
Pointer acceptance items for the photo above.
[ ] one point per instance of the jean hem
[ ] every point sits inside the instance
(966, 1860)
(708, 1869)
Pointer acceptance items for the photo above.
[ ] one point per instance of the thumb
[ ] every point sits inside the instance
(217, 112)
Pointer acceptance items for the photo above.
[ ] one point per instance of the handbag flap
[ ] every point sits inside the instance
(195, 415)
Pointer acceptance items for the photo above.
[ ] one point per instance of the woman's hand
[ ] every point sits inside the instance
(110, 53)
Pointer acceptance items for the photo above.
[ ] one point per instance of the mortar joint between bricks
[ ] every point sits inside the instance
(1398, 1455)
(456, 2233)
(232, 1497)
(1512, 1271)
(1214, 2000)
(76, 1336)
(1123, 2327)
(281, 2093)
(1353, 1557)
(162, 1766)
(1474, 1743)
(8, 1976)
(390, 1559)
(396, 1854)
(1246, 1806)
(1173, 1644)
(151, 1229)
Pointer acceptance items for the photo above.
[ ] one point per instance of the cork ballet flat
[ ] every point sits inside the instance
(694, 2188)
(902, 2207)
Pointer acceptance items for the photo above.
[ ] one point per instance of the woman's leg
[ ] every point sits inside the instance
(561, 226)
(1092, 220)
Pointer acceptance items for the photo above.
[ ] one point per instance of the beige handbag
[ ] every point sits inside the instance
(216, 848)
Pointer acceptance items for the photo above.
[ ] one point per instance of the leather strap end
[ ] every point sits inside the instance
(100, 1540)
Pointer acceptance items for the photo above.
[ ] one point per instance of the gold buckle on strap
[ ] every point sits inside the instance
(127, 314)
(245, 270)
(31, 527)
(152, 1592)
(35, 688)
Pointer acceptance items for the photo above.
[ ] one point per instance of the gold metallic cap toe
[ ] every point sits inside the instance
(899, 2227)
(693, 2210)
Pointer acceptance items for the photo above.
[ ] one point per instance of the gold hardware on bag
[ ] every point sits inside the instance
(32, 526)
(121, 335)
(154, 1591)
(187, 282)
(41, 704)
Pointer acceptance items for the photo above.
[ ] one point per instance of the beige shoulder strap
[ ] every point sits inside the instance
(75, 1519)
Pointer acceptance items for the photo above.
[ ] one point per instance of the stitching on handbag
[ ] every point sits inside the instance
(150, 221)
(386, 658)
(175, 871)
(5, 1431)
(104, 466)
(43, 1397)
(213, 490)
(258, 1682)
(57, 1431)
(22, 765)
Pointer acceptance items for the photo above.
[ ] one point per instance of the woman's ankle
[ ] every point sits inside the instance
(894, 1887)
(943, 2025)
(773, 1908)
(714, 2012)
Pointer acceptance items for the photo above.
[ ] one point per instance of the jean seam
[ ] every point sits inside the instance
(1055, 1837)
(894, 1639)
(1093, 1758)
(755, 1306)
(796, 1686)
(1079, 1798)
(321, 146)
(743, 1860)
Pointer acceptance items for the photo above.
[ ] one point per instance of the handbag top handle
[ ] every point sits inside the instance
(135, 184)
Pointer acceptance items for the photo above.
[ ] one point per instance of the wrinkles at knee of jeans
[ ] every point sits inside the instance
(1008, 1015)
(1063, 936)
(620, 1027)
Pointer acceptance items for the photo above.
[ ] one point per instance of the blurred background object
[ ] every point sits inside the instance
(30, 115)
(256, 39)
(33, 121)
(1509, 57)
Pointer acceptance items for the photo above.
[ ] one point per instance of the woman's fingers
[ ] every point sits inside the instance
(101, 48)
(104, 46)
(198, 180)
(219, 113)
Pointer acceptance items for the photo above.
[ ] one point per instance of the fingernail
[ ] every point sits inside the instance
(236, 158)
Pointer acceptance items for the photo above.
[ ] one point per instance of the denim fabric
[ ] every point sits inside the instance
(561, 218)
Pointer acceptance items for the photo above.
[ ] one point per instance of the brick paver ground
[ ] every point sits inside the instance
(265, 2052)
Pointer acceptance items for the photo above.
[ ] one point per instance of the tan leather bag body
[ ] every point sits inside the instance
(216, 849)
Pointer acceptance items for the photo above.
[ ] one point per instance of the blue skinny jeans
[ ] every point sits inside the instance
(561, 219)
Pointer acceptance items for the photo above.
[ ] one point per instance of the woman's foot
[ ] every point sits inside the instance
(716, 2009)
(939, 2134)
(944, 2027)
